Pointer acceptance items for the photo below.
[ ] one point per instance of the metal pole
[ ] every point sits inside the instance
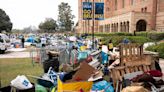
(93, 23)
(88, 24)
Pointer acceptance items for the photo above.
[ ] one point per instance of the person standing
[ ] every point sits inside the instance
(100, 44)
(22, 40)
(110, 46)
(43, 41)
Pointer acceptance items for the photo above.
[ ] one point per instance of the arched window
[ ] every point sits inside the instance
(145, 9)
(141, 25)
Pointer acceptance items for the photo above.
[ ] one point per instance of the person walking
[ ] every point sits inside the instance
(22, 40)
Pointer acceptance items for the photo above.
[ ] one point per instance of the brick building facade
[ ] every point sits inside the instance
(125, 16)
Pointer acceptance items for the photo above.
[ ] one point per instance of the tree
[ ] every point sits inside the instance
(5, 23)
(16, 31)
(65, 18)
(30, 29)
(49, 25)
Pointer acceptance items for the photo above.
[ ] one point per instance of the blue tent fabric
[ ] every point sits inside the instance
(30, 39)
(104, 57)
(103, 85)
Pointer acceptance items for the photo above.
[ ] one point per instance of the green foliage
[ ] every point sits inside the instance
(157, 48)
(113, 34)
(65, 18)
(139, 39)
(49, 25)
(116, 40)
(5, 23)
(156, 36)
(16, 31)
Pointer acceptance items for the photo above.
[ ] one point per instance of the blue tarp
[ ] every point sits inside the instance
(104, 57)
(30, 39)
(102, 85)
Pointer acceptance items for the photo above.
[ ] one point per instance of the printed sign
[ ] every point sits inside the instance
(99, 11)
(87, 10)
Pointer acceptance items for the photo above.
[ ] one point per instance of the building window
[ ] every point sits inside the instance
(108, 9)
(142, 10)
(115, 4)
(145, 9)
(123, 3)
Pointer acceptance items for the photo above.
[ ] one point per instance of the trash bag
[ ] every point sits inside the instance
(102, 85)
(39, 88)
(21, 82)
(5, 89)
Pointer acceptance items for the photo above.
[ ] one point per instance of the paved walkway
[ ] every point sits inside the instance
(15, 55)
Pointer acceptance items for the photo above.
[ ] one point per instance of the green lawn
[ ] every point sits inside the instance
(10, 68)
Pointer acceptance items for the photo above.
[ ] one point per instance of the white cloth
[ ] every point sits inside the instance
(105, 48)
(43, 40)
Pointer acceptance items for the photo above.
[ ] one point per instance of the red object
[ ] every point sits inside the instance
(155, 73)
(78, 79)
(81, 90)
(89, 59)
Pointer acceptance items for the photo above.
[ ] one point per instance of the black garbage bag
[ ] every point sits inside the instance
(51, 62)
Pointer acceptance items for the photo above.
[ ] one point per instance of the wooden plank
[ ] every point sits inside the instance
(148, 67)
(136, 69)
(127, 70)
(144, 68)
(122, 73)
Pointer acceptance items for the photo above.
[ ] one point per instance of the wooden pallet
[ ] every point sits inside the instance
(132, 59)
(117, 73)
(132, 55)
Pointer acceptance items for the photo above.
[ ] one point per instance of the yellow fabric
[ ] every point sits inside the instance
(82, 48)
(110, 45)
(74, 86)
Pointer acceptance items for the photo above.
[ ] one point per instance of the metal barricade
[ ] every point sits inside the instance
(39, 55)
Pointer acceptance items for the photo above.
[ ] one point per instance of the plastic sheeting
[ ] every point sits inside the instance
(102, 85)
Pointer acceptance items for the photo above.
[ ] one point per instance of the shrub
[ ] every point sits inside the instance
(156, 36)
(157, 48)
(118, 39)
(139, 39)
(113, 34)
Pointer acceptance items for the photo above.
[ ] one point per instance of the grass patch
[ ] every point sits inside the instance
(10, 68)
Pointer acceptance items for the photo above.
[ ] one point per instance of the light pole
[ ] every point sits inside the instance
(93, 22)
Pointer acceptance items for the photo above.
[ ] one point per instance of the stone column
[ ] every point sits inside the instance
(119, 28)
(125, 26)
(103, 28)
(110, 27)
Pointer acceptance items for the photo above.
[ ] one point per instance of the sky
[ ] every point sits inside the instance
(25, 13)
